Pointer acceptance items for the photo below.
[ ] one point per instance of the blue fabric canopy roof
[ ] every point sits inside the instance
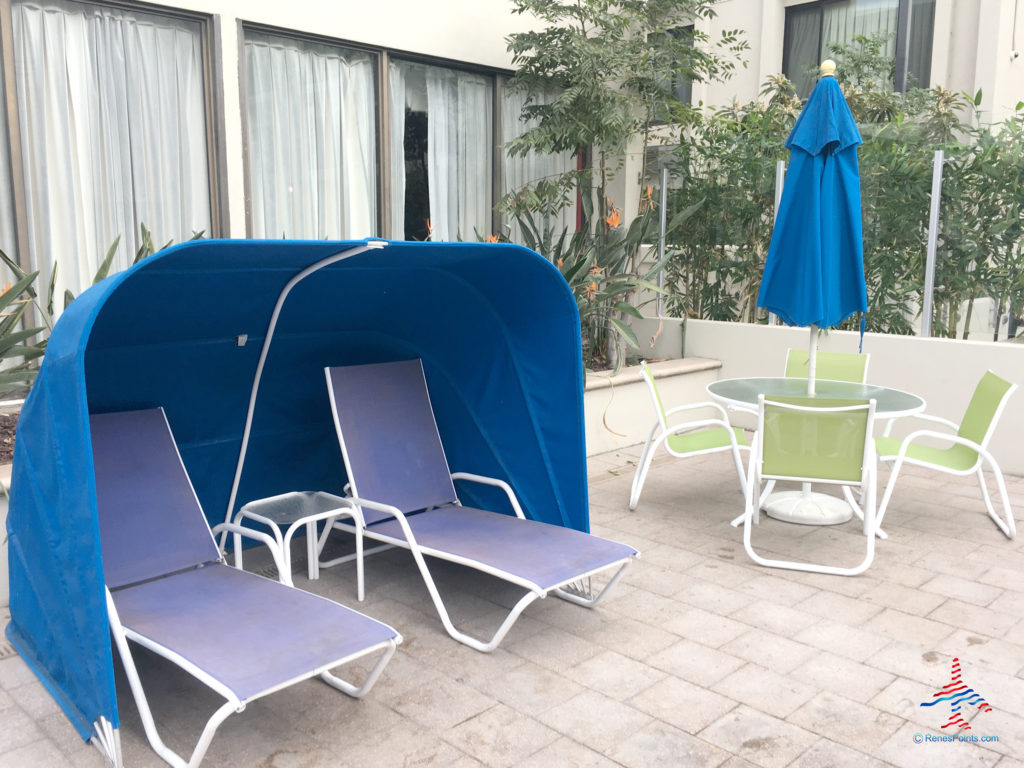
(497, 329)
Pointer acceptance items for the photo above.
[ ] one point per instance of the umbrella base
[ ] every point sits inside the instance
(807, 508)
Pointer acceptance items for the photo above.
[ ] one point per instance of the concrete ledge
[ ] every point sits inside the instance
(618, 408)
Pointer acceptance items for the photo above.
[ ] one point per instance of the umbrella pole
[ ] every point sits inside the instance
(812, 360)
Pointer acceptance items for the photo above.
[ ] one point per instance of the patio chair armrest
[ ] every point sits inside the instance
(483, 480)
(264, 538)
(687, 426)
(695, 406)
(909, 439)
(923, 417)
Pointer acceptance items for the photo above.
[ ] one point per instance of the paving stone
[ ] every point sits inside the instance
(776, 618)
(15, 672)
(614, 675)
(37, 754)
(682, 704)
(763, 740)
(713, 597)
(530, 688)
(767, 691)
(843, 640)
(441, 704)
(659, 744)
(566, 752)
(967, 590)
(595, 720)
(839, 608)
(18, 730)
(845, 721)
(770, 650)
(983, 620)
(903, 626)
(500, 737)
(705, 627)
(695, 662)
(829, 672)
(828, 753)
(904, 599)
(1010, 601)
(993, 652)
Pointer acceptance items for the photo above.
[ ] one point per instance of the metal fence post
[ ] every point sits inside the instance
(933, 240)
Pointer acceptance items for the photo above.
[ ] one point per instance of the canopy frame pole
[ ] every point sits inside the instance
(271, 327)
(933, 243)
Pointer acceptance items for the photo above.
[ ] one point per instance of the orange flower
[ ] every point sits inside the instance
(613, 219)
(595, 270)
(6, 288)
(430, 229)
(492, 238)
(591, 290)
(650, 191)
(560, 263)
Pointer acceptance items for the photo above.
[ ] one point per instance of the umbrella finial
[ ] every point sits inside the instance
(828, 68)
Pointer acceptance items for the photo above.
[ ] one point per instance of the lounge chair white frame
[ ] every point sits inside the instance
(110, 742)
(577, 589)
(865, 509)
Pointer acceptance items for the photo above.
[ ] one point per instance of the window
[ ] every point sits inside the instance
(312, 151)
(811, 27)
(442, 126)
(522, 171)
(112, 132)
(681, 87)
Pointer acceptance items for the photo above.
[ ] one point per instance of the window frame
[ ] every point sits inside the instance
(213, 97)
(903, 29)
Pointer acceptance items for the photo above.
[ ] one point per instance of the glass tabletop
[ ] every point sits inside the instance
(889, 402)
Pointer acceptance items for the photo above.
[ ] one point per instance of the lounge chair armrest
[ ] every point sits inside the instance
(264, 538)
(483, 480)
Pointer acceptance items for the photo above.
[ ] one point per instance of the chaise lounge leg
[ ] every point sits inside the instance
(357, 692)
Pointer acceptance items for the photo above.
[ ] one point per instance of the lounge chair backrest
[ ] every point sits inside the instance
(389, 439)
(150, 520)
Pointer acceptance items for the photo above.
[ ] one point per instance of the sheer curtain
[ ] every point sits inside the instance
(112, 113)
(842, 21)
(312, 151)
(459, 145)
(521, 171)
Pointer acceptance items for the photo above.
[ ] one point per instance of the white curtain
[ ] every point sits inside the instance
(7, 237)
(459, 146)
(312, 151)
(113, 127)
(396, 89)
(523, 170)
(842, 21)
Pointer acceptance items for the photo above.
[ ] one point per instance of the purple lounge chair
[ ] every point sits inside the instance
(399, 476)
(169, 590)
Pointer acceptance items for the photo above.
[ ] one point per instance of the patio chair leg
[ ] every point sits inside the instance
(640, 476)
(884, 505)
(1008, 528)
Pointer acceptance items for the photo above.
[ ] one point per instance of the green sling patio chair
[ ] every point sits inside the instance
(963, 453)
(687, 438)
(813, 440)
(835, 366)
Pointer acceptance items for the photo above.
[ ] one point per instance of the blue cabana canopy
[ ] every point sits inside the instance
(495, 325)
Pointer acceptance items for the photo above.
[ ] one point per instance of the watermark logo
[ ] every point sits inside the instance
(958, 695)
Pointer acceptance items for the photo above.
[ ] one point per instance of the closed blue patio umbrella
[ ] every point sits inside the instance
(814, 272)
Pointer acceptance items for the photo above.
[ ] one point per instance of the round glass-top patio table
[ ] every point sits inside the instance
(742, 393)
(803, 506)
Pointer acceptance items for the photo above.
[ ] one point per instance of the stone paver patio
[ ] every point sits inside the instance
(698, 658)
